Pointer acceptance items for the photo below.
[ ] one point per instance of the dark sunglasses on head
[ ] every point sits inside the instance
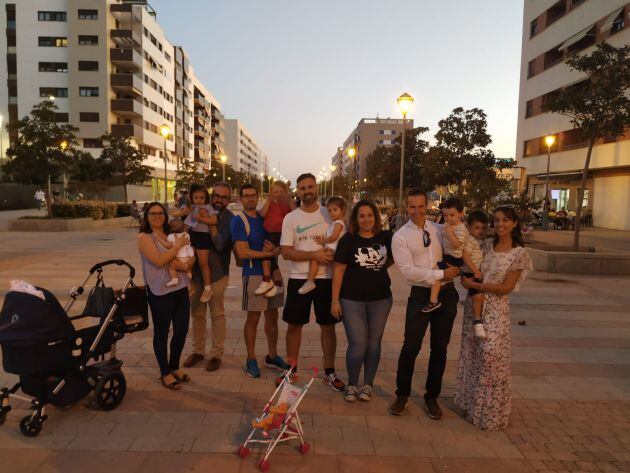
(426, 238)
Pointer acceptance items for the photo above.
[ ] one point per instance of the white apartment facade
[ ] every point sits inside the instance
(552, 30)
(242, 151)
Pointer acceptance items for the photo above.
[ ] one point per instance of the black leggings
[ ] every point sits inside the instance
(174, 308)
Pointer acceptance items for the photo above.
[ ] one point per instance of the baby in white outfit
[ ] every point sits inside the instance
(185, 254)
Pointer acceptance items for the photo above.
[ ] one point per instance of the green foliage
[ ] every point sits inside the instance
(188, 174)
(37, 151)
(124, 163)
(94, 209)
(524, 204)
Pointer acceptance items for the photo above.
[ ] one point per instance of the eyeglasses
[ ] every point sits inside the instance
(156, 214)
(219, 196)
(426, 238)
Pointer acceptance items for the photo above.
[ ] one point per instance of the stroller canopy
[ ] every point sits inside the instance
(26, 319)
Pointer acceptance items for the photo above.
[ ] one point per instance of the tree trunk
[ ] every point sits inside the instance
(578, 211)
(125, 190)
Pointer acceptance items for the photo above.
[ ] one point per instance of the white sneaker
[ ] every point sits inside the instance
(351, 394)
(279, 289)
(172, 282)
(307, 287)
(264, 287)
(480, 332)
(205, 295)
(366, 393)
(271, 292)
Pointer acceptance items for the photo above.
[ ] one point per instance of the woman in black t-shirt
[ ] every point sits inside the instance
(362, 294)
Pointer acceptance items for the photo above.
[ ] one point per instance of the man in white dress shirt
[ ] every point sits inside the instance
(417, 248)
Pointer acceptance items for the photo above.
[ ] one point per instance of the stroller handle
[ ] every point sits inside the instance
(119, 262)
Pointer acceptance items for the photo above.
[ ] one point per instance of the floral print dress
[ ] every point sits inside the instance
(484, 380)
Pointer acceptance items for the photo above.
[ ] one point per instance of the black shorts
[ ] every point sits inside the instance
(472, 292)
(452, 260)
(273, 238)
(200, 240)
(297, 308)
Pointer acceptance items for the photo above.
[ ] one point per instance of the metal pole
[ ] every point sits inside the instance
(399, 217)
(325, 185)
(332, 185)
(165, 188)
(1, 150)
(223, 171)
(545, 215)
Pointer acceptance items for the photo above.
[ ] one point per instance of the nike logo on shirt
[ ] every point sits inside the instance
(299, 229)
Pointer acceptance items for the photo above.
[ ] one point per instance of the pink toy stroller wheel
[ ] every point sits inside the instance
(243, 451)
(304, 448)
(264, 465)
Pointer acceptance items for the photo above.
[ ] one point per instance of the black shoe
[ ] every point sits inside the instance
(433, 409)
(431, 306)
(213, 364)
(399, 406)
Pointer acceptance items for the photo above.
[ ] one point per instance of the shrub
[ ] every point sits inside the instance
(94, 209)
(123, 210)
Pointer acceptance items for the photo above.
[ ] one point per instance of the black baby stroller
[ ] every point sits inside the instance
(58, 364)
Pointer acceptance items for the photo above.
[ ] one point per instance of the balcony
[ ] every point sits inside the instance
(126, 83)
(126, 58)
(126, 107)
(126, 131)
(122, 11)
(125, 38)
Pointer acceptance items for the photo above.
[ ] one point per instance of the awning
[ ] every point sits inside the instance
(608, 24)
(575, 38)
(561, 176)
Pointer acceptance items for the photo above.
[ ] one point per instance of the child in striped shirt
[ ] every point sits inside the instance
(472, 256)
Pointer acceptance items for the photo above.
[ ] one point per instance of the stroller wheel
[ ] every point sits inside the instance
(304, 448)
(110, 390)
(243, 451)
(264, 465)
(31, 427)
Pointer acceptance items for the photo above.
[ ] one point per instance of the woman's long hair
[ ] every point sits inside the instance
(517, 233)
(145, 227)
(354, 216)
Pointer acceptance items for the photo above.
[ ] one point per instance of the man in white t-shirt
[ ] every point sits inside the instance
(300, 229)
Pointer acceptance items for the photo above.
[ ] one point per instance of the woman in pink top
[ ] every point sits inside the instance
(276, 207)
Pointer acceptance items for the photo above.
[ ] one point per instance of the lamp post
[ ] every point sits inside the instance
(1, 146)
(262, 179)
(165, 130)
(404, 103)
(64, 145)
(351, 152)
(223, 159)
(549, 141)
(332, 179)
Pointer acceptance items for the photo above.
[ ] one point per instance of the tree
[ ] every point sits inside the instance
(599, 106)
(188, 173)
(461, 157)
(124, 162)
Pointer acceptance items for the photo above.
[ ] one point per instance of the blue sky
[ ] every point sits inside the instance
(301, 73)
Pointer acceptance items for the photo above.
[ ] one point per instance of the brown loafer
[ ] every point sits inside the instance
(432, 409)
(213, 364)
(192, 360)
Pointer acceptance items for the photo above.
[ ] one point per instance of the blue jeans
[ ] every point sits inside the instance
(364, 323)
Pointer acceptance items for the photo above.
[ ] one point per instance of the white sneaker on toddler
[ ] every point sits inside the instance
(480, 332)
(307, 287)
(206, 294)
(172, 282)
(264, 287)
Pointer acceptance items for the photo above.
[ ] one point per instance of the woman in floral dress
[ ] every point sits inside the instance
(484, 380)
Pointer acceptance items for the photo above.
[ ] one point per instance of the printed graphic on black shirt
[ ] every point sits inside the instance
(372, 257)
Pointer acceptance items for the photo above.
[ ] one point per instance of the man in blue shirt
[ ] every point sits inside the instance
(249, 237)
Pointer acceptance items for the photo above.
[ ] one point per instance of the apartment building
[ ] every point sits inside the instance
(109, 67)
(369, 134)
(209, 127)
(242, 151)
(552, 31)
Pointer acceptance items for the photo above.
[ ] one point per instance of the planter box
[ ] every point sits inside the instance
(65, 225)
(581, 262)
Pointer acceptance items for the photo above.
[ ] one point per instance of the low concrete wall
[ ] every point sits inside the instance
(65, 225)
(567, 262)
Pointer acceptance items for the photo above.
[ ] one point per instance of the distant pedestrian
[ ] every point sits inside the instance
(40, 197)
(361, 261)
(484, 380)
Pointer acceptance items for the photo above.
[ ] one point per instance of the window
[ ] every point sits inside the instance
(92, 143)
(619, 22)
(556, 12)
(88, 116)
(53, 41)
(553, 57)
(573, 139)
(528, 148)
(88, 65)
(53, 91)
(533, 28)
(61, 117)
(587, 40)
(88, 40)
(53, 67)
(531, 68)
(51, 16)
(575, 3)
(88, 91)
(88, 14)
(529, 108)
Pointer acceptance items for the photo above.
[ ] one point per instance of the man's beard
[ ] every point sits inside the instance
(309, 198)
(218, 206)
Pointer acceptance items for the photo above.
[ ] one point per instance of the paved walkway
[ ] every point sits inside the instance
(571, 367)
(603, 238)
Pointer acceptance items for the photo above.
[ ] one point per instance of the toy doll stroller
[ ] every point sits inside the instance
(280, 421)
(58, 364)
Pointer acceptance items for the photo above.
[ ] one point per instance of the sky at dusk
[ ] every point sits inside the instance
(300, 74)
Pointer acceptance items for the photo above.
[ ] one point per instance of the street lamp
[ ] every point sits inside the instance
(223, 159)
(404, 103)
(549, 141)
(64, 145)
(165, 130)
(351, 152)
(262, 179)
(333, 168)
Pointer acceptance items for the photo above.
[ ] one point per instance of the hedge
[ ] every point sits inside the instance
(94, 209)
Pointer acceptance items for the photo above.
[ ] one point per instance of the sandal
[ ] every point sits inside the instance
(174, 386)
(183, 378)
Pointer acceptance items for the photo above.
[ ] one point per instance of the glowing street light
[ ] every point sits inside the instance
(351, 152)
(333, 168)
(404, 103)
(223, 159)
(549, 141)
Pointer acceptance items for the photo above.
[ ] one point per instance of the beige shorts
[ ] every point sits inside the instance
(258, 303)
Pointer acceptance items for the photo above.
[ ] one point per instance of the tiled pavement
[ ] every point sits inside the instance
(571, 367)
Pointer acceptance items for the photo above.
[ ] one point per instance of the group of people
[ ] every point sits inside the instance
(337, 266)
